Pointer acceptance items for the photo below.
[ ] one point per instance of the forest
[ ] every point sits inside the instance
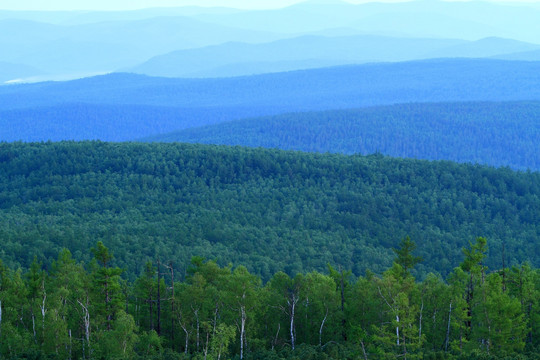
(483, 132)
(77, 310)
(269, 210)
(137, 106)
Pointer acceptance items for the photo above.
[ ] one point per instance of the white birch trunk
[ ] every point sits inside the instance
(206, 346)
(322, 325)
(86, 319)
(34, 326)
(198, 328)
(397, 329)
(187, 339)
(43, 311)
(242, 330)
(293, 306)
(363, 350)
(448, 329)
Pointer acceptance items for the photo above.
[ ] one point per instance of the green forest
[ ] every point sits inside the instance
(267, 210)
(182, 251)
(476, 132)
(77, 310)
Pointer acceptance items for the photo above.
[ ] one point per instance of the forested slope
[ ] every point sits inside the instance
(267, 209)
(80, 121)
(204, 101)
(493, 133)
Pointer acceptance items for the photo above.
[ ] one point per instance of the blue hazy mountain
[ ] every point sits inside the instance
(63, 43)
(91, 17)
(107, 46)
(494, 133)
(487, 47)
(9, 71)
(233, 59)
(104, 122)
(469, 20)
(533, 55)
(205, 101)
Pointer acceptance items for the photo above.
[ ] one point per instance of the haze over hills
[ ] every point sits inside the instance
(108, 46)
(206, 101)
(9, 71)
(234, 59)
(81, 43)
(425, 18)
(533, 55)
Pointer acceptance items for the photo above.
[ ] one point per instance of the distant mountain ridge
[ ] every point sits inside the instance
(235, 59)
(327, 88)
(9, 71)
(533, 55)
(109, 45)
(24, 108)
(80, 43)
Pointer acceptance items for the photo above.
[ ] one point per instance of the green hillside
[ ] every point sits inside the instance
(267, 209)
(492, 133)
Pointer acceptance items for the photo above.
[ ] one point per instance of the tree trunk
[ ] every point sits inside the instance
(363, 350)
(206, 346)
(397, 329)
(274, 342)
(293, 307)
(448, 329)
(187, 339)
(43, 311)
(34, 326)
(70, 344)
(242, 330)
(86, 320)
(322, 325)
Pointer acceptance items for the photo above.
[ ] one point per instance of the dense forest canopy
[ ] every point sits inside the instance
(492, 133)
(268, 210)
(87, 311)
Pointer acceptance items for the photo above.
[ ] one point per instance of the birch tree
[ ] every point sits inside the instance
(242, 290)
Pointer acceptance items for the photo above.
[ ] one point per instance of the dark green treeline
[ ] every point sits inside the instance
(87, 311)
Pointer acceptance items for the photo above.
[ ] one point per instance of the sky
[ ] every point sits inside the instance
(140, 4)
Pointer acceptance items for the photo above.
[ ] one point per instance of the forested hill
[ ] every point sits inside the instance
(267, 209)
(205, 101)
(493, 133)
(363, 85)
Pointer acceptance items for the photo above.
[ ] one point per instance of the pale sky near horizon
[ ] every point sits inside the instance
(49, 5)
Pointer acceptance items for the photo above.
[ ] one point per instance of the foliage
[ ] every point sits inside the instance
(492, 133)
(228, 313)
(269, 210)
